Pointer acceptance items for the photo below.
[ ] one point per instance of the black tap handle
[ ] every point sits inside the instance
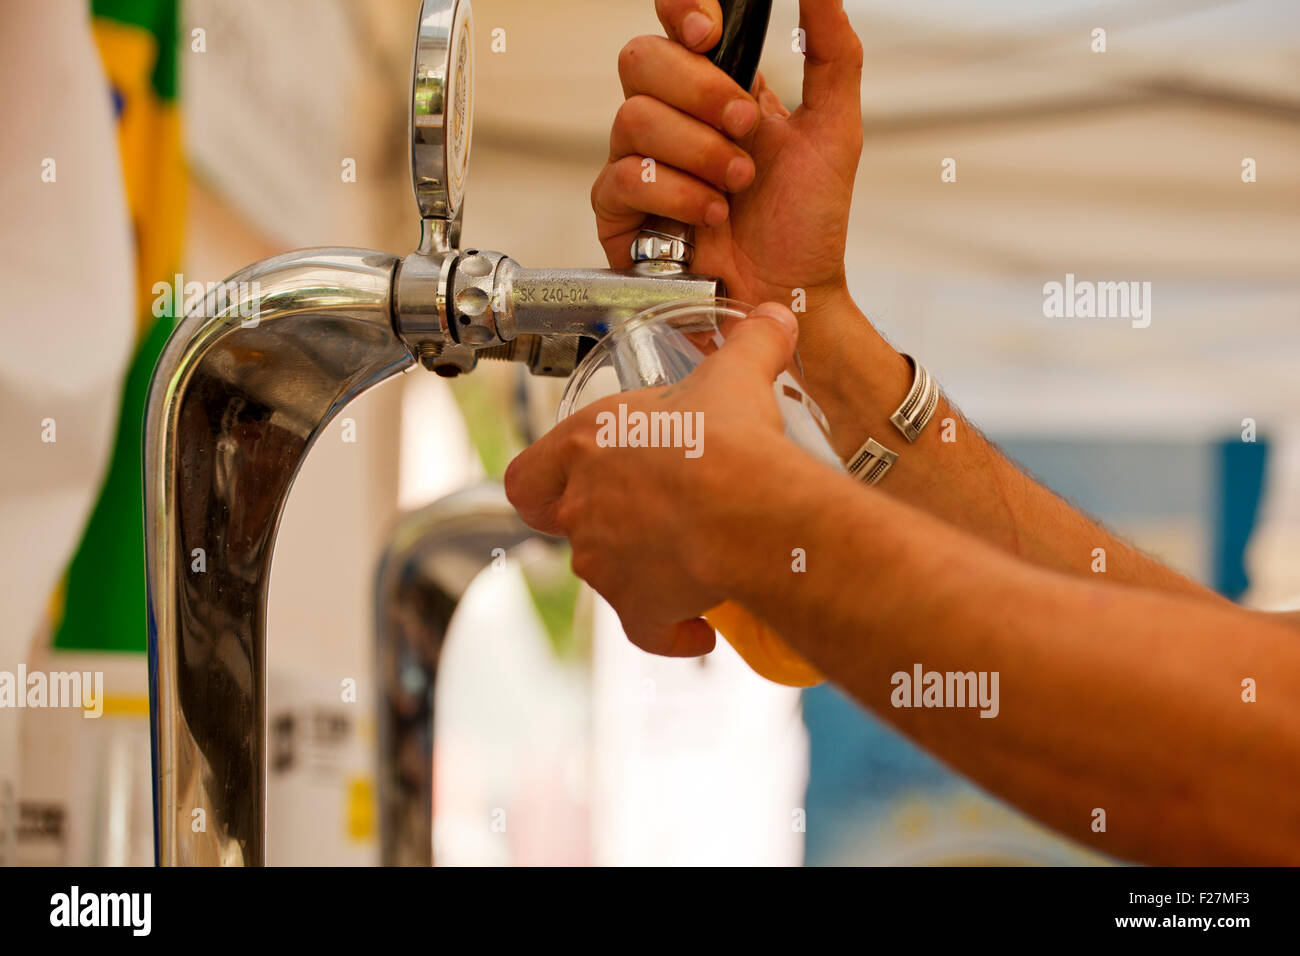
(744, 28)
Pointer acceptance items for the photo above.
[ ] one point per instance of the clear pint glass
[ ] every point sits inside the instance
(662, 346)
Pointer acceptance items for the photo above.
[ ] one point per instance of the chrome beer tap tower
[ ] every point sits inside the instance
(242, 391)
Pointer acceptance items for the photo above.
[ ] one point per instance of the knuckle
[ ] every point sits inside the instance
(626, 175)
(608, 189)
(632, 120)
(511, 483)
(634, 114)
(641, 636)
(857, 56)
(578, 443)
(633, 54)
(853, 50)
(585, 563)
(565, 512)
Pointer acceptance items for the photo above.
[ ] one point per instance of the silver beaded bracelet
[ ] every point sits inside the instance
(870, 463)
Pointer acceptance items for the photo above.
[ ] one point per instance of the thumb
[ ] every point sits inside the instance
(832, 72)
(695, 24)
(762, 343)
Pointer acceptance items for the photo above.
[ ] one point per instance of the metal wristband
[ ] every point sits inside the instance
(870, 463)
(918, 408)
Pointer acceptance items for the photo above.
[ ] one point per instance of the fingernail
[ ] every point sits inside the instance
(716, 214)
(783, 316)
(696, 28)
(739, 117)
(740, 173)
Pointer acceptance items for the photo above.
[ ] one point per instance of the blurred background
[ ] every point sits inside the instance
(1169, 158)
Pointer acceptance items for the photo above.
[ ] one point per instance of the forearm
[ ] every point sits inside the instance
(859, 379)
(1110, 697)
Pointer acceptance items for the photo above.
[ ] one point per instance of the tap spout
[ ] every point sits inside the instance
(432, 558)
(589, 302)
(244, 387)
(454, 306)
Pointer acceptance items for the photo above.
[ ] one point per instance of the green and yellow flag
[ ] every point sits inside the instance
(101, 603)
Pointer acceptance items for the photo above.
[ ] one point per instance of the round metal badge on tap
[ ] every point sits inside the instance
(442, 114)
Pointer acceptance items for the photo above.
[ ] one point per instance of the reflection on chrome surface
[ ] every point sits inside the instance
(233, 409)
(432, 558)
